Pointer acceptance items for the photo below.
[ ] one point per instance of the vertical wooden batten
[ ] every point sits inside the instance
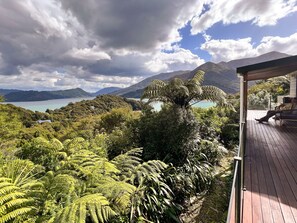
(293, 84)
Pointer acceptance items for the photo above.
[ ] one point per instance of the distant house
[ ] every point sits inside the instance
(42, 121)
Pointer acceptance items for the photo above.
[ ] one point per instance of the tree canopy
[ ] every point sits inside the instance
(184, 93)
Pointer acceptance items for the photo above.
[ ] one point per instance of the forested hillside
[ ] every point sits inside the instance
(114, 160)
(45, 95)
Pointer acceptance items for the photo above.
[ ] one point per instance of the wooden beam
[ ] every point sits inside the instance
(269, 69)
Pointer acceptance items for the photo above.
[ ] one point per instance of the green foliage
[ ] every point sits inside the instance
(273, 86)
(259, 100)
(89, 208)
(120, 141)
(212, 151)
(41, 151)
(117, 118)
(184, 93)
(11, 127)
(84, 166)
(45, 95)
(265, 92)
(219, 124)
(19, 191)
(101, 104)
(168, 135)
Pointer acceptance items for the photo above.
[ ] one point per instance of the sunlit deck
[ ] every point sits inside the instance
(270, 172)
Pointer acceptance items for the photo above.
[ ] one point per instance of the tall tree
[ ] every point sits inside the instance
(184, 93)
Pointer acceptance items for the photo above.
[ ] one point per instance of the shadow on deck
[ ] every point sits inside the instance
(270, 172)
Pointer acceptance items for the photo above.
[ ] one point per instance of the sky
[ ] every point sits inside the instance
(93, 44)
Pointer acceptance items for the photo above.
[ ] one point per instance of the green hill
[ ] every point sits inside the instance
(99, 105)
(45, 95)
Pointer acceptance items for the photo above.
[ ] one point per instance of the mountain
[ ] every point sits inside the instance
(45, 95)
(222, 75)
(107, 90)
(7, 91)
(135, 91)
(219, 75)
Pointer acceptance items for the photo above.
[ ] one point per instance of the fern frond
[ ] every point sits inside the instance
(154, 89)
(117, 192)
(127, 162)
(94, 205)
(13, 214)
(152, 167)
(198, 77)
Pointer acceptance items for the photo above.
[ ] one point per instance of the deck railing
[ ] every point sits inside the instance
(235, 203)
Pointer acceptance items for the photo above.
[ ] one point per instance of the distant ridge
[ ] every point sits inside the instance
(45, 95)
(135, 90)
(7, 91)
(222, 75)
(107, 90)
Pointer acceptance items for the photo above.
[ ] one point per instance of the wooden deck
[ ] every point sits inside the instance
(270, 172)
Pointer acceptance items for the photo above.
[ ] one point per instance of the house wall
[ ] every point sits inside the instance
(293, 85)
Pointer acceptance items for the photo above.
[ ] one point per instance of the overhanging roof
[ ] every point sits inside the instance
(269, 69)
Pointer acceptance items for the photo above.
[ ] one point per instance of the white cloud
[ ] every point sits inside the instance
(275, 43)
(52, 19)
(88, 54)
(229, 49)
(55, 80)
(179, 59)
(261, 13)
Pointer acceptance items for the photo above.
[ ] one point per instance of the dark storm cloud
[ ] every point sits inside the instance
(110, 41)
(138, 25)
(24, 40)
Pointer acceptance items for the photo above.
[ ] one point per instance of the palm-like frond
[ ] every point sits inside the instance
(147, 169)
(182, 93)
(14, 201)
(21, 172)
(93, 206)
(84, 158)
(88, 165)
(117, 192)
(62, 187)
(127, 162)
(74, 145)
(198, 77)
(212, 93)
(154, 90)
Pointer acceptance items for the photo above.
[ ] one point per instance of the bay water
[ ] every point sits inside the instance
(42, 106)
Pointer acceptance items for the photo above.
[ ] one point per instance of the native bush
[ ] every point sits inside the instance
(168, 135)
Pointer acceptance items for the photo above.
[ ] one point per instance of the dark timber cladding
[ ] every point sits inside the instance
(269, 69)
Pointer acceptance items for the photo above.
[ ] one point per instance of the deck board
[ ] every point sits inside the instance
(270, 172)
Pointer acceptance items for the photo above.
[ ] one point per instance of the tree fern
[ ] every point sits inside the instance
(147, 169)
(184, 93)
(93, 207)
(15, 201)
(127, 162)
(117, 192)
(88, 164)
